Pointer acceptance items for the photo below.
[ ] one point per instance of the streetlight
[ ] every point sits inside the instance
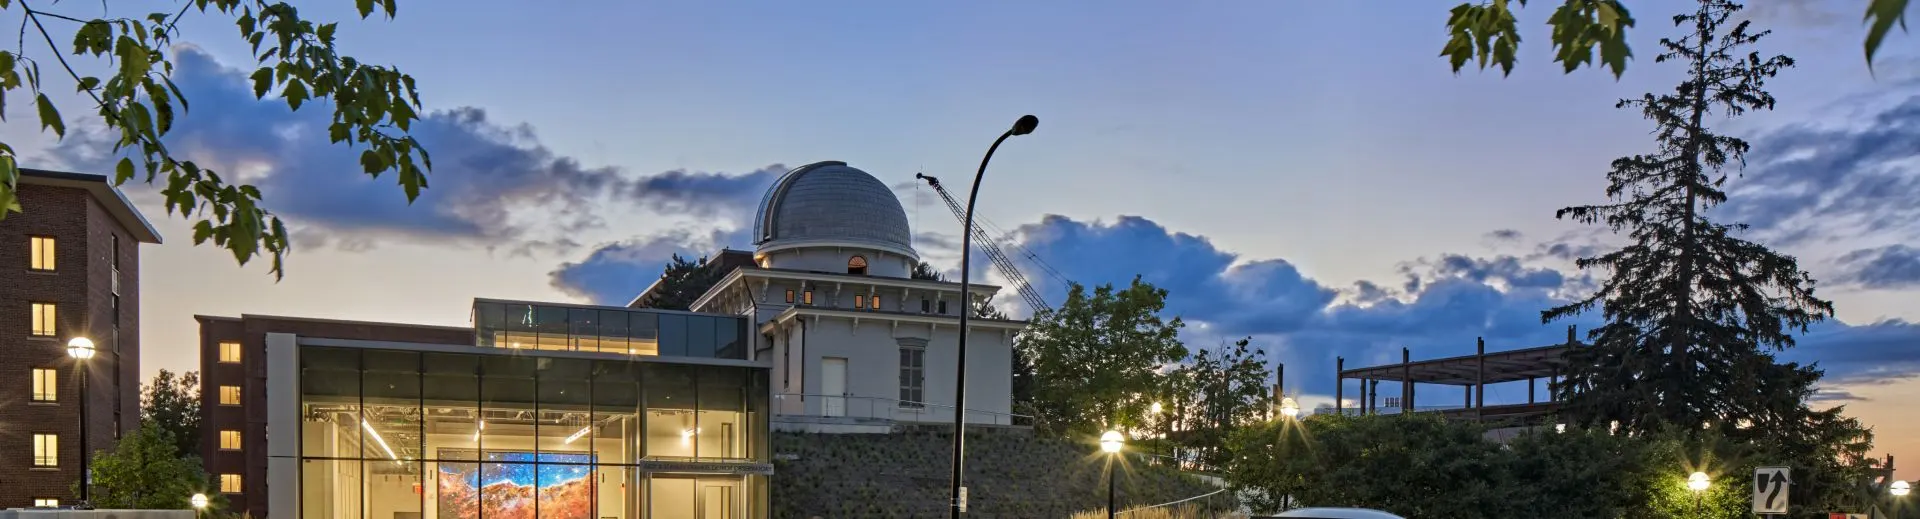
(1698, 483)
(1289, 408)
(1024, 126)
(199, 502)
(81, 349)
(1111, 442)
(1900, 489)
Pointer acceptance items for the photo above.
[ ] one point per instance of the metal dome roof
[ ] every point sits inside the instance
(830, 203)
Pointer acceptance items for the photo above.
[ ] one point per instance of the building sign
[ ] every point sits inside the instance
(708, 467)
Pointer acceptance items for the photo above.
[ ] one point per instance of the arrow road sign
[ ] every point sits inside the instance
(1770, 485)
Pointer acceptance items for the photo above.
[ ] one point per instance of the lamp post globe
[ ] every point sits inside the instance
(199, 501)
(1289, 408)
(1111, 441)
(80, 348)
(1900, 489)
(1698, 482)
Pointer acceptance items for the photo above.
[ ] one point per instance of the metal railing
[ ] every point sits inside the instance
(890, 409)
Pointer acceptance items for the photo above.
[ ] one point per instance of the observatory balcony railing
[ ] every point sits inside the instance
(887, 409)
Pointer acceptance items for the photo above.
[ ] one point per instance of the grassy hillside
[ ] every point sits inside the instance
(905, 475)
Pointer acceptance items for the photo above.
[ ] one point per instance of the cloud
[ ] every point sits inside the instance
(616, 272)
(1809, 182)
(493, 184)
(1505, 235)
(1891, 267)
(1444, 304)
(1798, 13)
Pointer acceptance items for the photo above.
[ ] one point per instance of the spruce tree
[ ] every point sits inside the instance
(1691, 307)
(682, 283)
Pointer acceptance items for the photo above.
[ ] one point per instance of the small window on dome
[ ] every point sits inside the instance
(857, 265)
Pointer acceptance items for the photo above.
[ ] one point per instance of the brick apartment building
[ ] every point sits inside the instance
(233, 385)
(69, 267)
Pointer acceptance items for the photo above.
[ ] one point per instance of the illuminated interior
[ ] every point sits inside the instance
(629, 331)
(402, 434)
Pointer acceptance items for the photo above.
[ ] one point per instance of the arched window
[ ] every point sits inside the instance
(857, 265)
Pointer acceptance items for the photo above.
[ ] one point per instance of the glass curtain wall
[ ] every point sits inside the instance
(404, 434)
(608, 330)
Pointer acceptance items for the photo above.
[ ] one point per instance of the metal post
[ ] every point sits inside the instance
(1406, 381)
(1531, 381)
(1480, 379)
(84, 475)
(1024, 126)
(1340, 386)
(1111, 511)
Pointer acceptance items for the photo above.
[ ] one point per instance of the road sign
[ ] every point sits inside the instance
(1770, 486)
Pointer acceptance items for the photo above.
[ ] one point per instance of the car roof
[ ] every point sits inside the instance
(1337, 513)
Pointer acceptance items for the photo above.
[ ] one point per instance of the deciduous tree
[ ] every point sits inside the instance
(145, 472)
(373, 106)
(173, 404)
(1098, 357)
(1485, 32)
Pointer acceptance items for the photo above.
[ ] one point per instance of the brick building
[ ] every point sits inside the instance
(69, 268)
(233, 386)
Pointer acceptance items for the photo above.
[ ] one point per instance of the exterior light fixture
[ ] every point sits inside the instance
(1900, 489)
(1289, 408)
(199, 501)
(1698, 482)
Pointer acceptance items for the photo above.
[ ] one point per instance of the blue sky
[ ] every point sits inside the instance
(1310, 174)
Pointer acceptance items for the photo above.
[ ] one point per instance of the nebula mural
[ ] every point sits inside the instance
(516, 485)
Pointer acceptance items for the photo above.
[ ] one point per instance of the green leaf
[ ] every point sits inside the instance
(326, 33)
(366, 7)
(201, 231)
(1880, 18)
(295, 93)
(373, 162)
(123, 171)
(50, 116)
(262, 80)
(88, 83)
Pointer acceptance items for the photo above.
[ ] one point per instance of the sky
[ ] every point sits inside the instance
(1311, 175)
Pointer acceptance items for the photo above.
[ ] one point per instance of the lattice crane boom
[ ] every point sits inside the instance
(992, 248)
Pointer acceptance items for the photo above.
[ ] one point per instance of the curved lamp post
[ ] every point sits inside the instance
(81, 349)
(1024, 126)
(1111, 442)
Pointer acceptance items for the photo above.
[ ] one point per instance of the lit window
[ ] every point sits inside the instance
(789, 297)
(230, 483)
(43, 319)
(859, 301)
(806, 298)
(913, 372)
(42, 249)
(857, 265)
(46, 450)
(229, 395)
(230, 352)
(46, 502)
(874, 303)
(46, 385)
(230, 440)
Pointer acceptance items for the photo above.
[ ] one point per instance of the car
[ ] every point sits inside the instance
(1336, 513)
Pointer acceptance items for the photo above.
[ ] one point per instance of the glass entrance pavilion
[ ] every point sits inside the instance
(474, 432)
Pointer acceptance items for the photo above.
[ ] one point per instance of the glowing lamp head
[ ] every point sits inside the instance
(80, 348)
(198, 500)
(1111, 441)
(1154, 409)
(1900, 489)
(1698, 481)
(1289, 408)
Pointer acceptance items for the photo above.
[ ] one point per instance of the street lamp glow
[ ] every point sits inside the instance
(1111, 441)
(1900, 489)
(1698, 481)
(1289, 408)
(1155, 409)
(199, 501)
(80, 348)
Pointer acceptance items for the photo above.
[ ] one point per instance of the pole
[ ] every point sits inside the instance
(85, 479)
(1111, 511)
(1025, 125)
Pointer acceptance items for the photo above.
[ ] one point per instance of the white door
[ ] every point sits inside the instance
(719, 499)
(833, 386)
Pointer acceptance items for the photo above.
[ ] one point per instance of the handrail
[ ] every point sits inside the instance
(892, 408)
(1169, 503)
